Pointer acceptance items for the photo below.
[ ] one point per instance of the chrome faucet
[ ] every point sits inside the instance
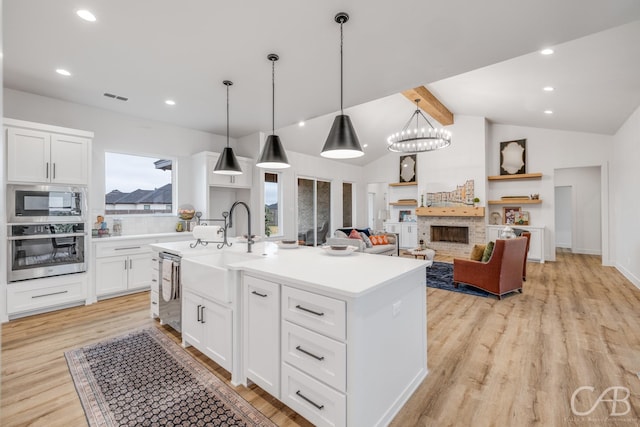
(249, 237)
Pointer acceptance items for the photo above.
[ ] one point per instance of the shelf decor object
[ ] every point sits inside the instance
(227, 163)
(513, 157)
(273, 155)
(342, 142)
(408, 168)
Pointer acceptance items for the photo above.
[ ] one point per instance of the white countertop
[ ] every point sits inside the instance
(350, 276)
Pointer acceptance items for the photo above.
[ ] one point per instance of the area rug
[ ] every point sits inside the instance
(440, 276)
(143, 378)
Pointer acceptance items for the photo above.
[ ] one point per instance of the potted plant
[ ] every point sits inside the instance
(476, 200)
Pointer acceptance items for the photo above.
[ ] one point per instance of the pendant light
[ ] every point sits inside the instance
(273, 155)
(342, 142)
(227, 163)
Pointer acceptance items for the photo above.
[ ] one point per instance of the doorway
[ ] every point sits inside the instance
(314, 211)
(564, 216)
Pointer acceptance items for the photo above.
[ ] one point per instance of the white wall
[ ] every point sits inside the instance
(625, 175)
(125, 134)
(548, 150)
(564, 216)
(586, 220)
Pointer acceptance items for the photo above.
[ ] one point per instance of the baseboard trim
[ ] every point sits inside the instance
(629, 275)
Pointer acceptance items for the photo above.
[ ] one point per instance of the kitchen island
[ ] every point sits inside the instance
(339, 339)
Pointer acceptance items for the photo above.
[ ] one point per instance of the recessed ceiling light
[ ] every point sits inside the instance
(548, 88)
(86, 15)
(548, 112)
(170, 102)
(546, 51)
(301, 123)
(63, 72)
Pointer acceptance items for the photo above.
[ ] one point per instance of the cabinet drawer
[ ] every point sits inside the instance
(21, 298)
(315, 354)
(155, 300)
(313, 400)
(319, 313)
(122, 248)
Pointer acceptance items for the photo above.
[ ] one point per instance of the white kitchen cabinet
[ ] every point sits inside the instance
(122, 273)
(155, 284)
(240, 181)
(262, 333)
(407, 232)
(122, 266)
(37, 154)
(207, 326)
(536, 242)
(39, 295)
(409, 235)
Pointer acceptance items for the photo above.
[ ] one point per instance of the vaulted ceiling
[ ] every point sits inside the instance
(478, 58)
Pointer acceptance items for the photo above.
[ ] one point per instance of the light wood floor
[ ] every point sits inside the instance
(514, 362)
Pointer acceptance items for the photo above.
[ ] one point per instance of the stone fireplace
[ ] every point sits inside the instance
(452, 235)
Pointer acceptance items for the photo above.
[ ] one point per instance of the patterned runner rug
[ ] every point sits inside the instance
(143, 378)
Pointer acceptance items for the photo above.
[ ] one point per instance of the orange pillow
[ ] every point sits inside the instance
(379, 240)
(354, 235)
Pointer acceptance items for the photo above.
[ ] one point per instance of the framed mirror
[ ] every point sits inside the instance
(513, 157)
(408, 168)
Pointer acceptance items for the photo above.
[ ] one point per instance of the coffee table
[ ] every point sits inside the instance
(426, 254)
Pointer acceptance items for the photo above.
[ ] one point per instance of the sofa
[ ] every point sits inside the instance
(341, 237)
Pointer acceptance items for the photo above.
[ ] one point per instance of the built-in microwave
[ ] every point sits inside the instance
(45, 203)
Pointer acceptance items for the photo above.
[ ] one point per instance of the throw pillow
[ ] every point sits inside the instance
(354, 235)
(476, 252)
(375, 240)
(385, 241)
(365, 238)
(340, 234)
(486, 255)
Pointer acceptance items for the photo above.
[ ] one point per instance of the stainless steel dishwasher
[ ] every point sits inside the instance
(170, 300)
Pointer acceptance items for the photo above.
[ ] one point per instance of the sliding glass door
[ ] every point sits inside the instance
(314, 211)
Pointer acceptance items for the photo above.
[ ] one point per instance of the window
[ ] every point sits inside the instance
(347, 204)
(137, 185)
(272, 204)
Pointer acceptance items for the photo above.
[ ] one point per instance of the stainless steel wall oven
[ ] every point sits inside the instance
(43, 250)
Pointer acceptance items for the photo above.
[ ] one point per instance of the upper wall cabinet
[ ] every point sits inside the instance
(240, 181)
(46, 154)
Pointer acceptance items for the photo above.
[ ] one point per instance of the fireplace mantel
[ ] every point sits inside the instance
(451, 211)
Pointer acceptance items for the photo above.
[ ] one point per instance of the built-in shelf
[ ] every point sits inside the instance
(515, 202)
(403, 203)
(402, 184)
(451, 211)
(518, 176)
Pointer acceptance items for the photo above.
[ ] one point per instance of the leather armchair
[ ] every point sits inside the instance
(501, 274)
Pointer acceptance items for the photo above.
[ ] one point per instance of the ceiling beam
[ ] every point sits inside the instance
(430, 104)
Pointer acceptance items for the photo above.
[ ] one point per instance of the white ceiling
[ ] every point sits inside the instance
(151, 50)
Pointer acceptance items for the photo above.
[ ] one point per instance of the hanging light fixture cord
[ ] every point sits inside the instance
(227, 114)
(341, 66)
(273, 97)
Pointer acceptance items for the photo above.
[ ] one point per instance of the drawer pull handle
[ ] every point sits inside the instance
(48, 295)
(199, 319)
(202, 314)
(154, 303)
(308, 353)
(259, 294)
(127, 248)
(309, 400)
(299, 307)
(153, 280)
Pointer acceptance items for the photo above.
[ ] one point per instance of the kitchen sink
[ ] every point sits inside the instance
(209, 274)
